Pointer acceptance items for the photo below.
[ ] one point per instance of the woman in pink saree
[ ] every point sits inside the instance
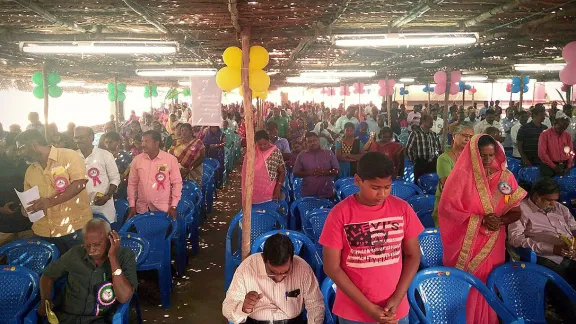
(480, 198)
(269, 170)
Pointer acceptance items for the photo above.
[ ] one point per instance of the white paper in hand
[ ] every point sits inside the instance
(28, 196)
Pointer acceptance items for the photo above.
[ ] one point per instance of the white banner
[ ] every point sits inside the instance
(206, 101)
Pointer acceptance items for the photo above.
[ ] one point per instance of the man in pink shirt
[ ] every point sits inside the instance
(555, 148)
(155, 183)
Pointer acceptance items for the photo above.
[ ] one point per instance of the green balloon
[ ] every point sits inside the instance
(121, 87)
(54, 91)
(37, 78)
(154, 93)
(38, 92)
(154, 88)
(111, 87)
(54, 78)
(121, 96)
(111, 97)
(146, 94)
(146, 88)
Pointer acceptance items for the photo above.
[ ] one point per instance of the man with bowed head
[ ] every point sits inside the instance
(155, 183)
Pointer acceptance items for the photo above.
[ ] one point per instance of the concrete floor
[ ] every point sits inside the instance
(198, 296)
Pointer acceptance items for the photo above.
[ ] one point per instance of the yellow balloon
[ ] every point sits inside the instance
(262, 95)
(258, 57)
(228, 78)
(232, 57)
(259, 80)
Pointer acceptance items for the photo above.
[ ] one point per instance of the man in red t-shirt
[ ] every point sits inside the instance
(371, 248)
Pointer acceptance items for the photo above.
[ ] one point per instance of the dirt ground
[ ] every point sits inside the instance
(198, 296)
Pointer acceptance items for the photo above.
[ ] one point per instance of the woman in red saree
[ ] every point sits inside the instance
(479, 199)
(190, 154)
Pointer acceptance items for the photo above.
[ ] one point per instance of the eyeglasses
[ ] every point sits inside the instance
(466, 136)
(270, 274)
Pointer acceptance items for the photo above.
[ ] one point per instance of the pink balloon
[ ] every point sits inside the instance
(473, 90)
(440, 77)
(362, 91)
(455, 76)
(440, 88)
(391, 83)
(382, 92)
(454, 89)
(569, 52)
(382, 83)
(568, 74)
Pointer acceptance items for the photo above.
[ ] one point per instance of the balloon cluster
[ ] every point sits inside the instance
(53, 79)
(428, 88)
(462, 85)
(473, 90)
(386, 88)
(150, 91)
(565, 87)
(359, 88)
(172, 94)
(516, 85)
(113, 89)
(344, 90)
(440, 79)
(328, 91)
(568, 73)
(403, 91)
(230, 77)
(186, 92)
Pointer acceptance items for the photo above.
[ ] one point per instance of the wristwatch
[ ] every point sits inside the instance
(117, 272)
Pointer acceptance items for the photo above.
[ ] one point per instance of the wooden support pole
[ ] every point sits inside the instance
(464, 95)
(150, 91)
(521, 92)
(116, 110)
(388, 103)
(569, 93)
(445, 114)
(428, 85)
(250, 149)
(46, 95)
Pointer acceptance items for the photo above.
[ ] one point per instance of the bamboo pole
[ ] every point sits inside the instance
(569, 93)
(388, 103)
(150, 91)
(116, 110)
(521, 92)
(445, 114)
(250, 149)
(428, 85)
(464, 95)
(45, 88)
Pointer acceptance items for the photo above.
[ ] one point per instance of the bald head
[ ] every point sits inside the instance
(83, 136)
(95, 236)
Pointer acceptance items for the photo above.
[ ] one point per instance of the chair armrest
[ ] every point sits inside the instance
(122, 312)
(32, 316)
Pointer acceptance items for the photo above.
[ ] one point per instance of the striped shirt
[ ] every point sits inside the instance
(423, 145)
(529, 134)
(251, 275)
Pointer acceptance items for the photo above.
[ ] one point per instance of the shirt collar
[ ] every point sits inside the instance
(537, 209)
(53, 155)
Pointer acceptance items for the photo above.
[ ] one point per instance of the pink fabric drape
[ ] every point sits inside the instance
(467, 197)
(263, 185)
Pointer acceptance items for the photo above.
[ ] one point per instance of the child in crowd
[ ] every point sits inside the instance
(371, 248)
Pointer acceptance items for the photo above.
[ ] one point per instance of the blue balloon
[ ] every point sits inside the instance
(525, 88)
(515, 88)
(468, 87)
(406, 92)
(526, 79)
(432, 89)
(516, 81)
(425, 89)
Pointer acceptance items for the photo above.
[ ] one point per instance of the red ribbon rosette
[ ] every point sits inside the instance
(93, 174)
(160, 178)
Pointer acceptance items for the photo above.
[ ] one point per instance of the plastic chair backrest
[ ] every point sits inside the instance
(304, 205)
(443, 292)
(421, 202)
(514, 165)
(405, 190)
(33, 254)
(522, 288)
(215, 164)
(122, 207)
(529, 174)
(343, 182)
(430, 248)
(348, 190)
(156, 227)
(425, 217)
(328, 290)
(428, 182)
(316, 220)
(137, 244)
(297, 187)
(19, 290)
(262, 222)
(280, 206)
(567, 184)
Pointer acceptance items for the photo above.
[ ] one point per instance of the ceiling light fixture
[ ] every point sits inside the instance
(474, 78)
(176, 72)
(337, 74)
(407, 80)
(503, 80)
(412, 39)
(302, 79)
(538, 67)
(118, 47)
(95, 86)
(71, 84)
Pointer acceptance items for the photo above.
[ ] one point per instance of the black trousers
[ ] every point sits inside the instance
(546, 171)
(422, 166)
(567, 270)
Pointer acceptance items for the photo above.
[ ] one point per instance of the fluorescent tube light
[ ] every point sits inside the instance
(302, 79)
(474, 78)
(184, 83)
(337, 74)
(175, 72)
(99, 47)
(503, 80)
(398, 40)
(95, 86)
(539, 67)
(407, 80)
(71, 84)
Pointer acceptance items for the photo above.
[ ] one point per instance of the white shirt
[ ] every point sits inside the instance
(102, 171)
(476, 120)
(514, 135)
(481, 127)
(438, 125)
(251, 275)
(319, 130)
(342, 121)
(372, 126)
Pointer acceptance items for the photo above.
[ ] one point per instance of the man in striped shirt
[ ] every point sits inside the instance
(273, 287)
(423, 148)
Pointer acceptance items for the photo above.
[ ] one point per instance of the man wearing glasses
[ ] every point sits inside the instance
(272, 287)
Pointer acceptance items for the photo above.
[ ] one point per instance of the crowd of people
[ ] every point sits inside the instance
(144, 160)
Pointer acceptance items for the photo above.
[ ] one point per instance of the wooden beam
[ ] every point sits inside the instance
(29, 4)
(250, 145)
(141, 11)
(493, 12)
(233, 9)
(415, 13)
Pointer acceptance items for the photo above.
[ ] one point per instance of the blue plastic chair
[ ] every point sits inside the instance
(405, 190)
(18, 293)
(328, 290)
(280, 206)
(208, 187)
(573, 172)
(342, 182)
(425, 217)
(522, 288)
(261, 223)
(297, 188)
(443, 293)
(421, 202)
(192, 192)
(430, 248)
(347, 191)
(567, 189)
(315, 224)
(301, 206)
(408, 171)
(428, 182)
(102, 217)
(184, 211)
(514, 165)
(33, 254)
(122, 207)
(529, 174)
(303, 247)
(525, 254)
(213, 163)
(139, 245)
(158, 229)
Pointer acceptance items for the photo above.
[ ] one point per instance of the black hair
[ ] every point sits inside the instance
(156, 137)
(349, 125)
(486, 140)
(490, 111)
(311, 134)
(114, 136)
(10, 139)
(538, 110)
(423, 119)
(186, 125)
(278, 249)
(261, 134)
(522, 112)
(545, 186)
(30, 136)
(374, 165)
(386, 130)
(89, 131)
(271, 125)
